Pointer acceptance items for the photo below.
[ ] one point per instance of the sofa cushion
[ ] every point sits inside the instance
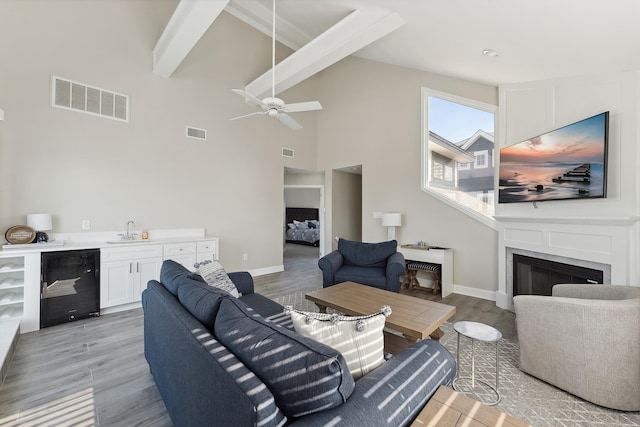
(202, 301)
(372, 276)
(304, 375)
(214, 274)
(172, 275)
(360, 339)
(367, 254)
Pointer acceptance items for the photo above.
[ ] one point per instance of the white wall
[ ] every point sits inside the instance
(371, 116)
(346, 207)
(77, 166)
(302, 197)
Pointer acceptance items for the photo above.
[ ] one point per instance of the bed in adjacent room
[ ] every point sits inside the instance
(302, 226)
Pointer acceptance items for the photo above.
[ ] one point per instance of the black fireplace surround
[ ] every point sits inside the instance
(535, 276)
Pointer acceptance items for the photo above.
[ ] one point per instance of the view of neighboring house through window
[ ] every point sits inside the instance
(458, 163)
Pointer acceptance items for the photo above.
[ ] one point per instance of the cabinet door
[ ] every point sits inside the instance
(146, 269)
(116, 283)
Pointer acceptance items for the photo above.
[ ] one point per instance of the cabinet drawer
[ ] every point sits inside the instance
(172, 249)
(208, 246)
(144, 250)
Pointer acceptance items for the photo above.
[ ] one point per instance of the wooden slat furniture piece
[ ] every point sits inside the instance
(448, 408)
(410, 280)
(444, 257)
(412, 319)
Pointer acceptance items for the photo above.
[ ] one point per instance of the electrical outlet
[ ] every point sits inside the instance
(86, 224)
(245, 257)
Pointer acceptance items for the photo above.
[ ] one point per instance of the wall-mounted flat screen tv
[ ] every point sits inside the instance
(566, 163)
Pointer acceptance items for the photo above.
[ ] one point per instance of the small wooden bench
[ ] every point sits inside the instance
(411, 281)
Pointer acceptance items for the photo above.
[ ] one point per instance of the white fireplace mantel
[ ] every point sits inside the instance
(611, 241)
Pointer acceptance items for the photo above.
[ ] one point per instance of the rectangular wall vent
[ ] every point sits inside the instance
(80, 97)
(196, 133)
(287, 152)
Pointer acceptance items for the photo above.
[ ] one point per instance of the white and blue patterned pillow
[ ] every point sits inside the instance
(214, 274)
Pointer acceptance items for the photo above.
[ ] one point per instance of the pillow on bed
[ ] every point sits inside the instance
(312, 223)
(291, 226)
(300, 224)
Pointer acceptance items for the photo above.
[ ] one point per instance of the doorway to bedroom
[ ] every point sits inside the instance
(303, 218)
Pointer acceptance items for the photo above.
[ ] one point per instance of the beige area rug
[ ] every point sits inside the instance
(523, 396)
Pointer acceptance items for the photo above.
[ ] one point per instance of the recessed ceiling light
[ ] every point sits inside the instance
(491, 52)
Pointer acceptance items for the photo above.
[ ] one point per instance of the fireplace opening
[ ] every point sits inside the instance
(535, 276)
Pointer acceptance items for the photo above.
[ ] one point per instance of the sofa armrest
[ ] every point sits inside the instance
(395, 269)
(596, 292)
(395, 393)
(329, 264)
(243, 281)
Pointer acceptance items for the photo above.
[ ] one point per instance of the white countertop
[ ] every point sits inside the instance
(79, 241)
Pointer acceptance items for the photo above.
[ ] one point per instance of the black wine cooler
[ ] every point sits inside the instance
(70, 286)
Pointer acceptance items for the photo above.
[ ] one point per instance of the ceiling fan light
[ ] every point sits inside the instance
(273, 112)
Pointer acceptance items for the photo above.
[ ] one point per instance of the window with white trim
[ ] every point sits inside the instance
(481, 159)
(458, 164)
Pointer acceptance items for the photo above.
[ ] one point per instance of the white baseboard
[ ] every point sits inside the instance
(474, 292)
(267, 270)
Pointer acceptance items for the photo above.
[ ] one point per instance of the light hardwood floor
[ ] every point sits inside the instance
(93, 372)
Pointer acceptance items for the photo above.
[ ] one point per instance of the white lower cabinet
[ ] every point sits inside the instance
(207, 250)
(124, 273)
(183, 253)
(188, 253)
(20, 289)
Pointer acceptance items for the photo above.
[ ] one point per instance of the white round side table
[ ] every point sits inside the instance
(481, 332)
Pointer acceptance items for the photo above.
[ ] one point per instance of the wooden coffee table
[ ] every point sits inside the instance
(412, 319)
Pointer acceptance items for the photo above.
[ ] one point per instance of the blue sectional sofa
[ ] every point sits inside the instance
(219, 360)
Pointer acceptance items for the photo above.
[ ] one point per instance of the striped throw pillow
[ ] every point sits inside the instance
(360, 339)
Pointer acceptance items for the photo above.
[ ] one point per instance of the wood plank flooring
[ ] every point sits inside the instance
(93, 372)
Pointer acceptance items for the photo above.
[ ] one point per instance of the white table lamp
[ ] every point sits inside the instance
(391, 220)
(40, 223)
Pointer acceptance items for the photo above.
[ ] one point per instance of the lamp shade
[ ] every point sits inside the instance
(391, 219)
(39, 222)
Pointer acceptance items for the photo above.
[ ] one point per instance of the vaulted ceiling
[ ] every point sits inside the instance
(535, 39)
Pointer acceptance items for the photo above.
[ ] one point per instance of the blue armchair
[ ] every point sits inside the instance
(374, 264)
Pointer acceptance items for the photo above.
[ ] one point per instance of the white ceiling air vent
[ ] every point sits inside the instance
(80, 97)
(196, 133)
(287, 152)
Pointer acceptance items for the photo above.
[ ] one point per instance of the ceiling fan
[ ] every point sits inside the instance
(272, 106)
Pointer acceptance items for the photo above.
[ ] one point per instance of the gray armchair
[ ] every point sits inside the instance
(584, 339)
(374, 264)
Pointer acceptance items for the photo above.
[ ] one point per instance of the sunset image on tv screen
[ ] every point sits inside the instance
(566, 163)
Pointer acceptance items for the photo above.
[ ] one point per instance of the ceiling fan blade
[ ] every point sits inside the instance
(287, 120)
(250, 98)
(302, 106)
(259, 113)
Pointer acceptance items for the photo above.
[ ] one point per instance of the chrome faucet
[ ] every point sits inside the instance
(129, 236)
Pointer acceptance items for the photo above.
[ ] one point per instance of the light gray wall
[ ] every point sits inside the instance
(372, 117)
(76, 166)
(302, 198)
